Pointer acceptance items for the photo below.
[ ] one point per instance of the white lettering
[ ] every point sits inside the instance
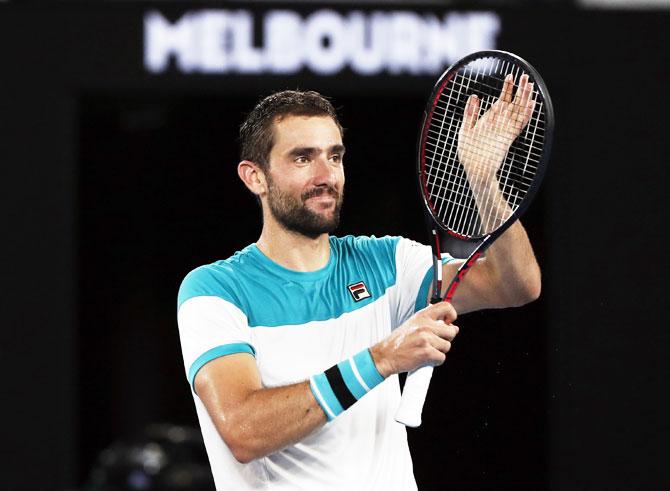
(212, 39)
(246, 57)
(483, 30)
(432, 52)
(366, 37)
(283, 52)
(326, 42)
(163, 40)
(405, 39)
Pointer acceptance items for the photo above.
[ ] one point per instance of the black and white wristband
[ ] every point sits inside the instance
(339, 387)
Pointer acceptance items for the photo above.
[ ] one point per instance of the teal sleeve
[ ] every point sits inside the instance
(214, 353)
(426, 284)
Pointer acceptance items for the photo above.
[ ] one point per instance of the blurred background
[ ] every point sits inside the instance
(118, 149)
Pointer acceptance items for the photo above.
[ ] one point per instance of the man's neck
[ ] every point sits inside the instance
(293, 250)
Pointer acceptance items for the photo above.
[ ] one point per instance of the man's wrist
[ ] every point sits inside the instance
(380, 361)
(481, 180)
(339, 387)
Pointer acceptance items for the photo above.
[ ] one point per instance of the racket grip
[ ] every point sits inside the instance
(414, 396)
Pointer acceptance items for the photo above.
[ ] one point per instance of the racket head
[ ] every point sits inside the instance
(481, 73)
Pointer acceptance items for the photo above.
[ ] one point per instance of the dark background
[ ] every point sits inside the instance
(115, 183)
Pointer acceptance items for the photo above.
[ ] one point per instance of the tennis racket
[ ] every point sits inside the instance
(483, 150)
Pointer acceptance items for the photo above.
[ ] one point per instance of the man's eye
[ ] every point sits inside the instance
(302, 159)
(336, 158)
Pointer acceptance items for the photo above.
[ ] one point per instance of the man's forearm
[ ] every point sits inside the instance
(258, 421)
(270, 419)
(510, 259)
(491, 205)
(513, 266)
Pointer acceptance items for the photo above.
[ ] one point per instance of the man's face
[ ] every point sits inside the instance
(305, 175)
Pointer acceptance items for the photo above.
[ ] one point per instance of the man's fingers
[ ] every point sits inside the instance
(441, 311)
(438, 351)
(436, 358)
(443, 345)
(521, 88)
(506, 92)
(529, 112)
(525, 96)
(445, 331)
(471, 111)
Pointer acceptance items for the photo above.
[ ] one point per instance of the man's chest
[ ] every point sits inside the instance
(291, 353)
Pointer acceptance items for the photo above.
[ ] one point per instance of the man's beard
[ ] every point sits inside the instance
(294, 214)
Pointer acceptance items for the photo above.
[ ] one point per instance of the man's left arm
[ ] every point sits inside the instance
(508, 276)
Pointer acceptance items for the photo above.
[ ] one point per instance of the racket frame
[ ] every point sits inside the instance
(470, 248)
(442, 238)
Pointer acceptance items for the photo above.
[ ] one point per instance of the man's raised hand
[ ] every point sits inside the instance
(484, 141)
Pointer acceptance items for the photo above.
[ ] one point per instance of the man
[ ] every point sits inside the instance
(293, 344)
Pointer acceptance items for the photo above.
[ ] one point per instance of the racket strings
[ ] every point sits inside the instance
(532, 157)
(438, 140)
(461, 208)
(535, 124)
(449, 189)
(468, 217)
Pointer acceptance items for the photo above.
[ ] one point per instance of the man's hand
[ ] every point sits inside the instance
(484, 142)
(424, 339)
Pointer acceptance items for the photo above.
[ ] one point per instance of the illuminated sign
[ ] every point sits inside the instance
(324, 42)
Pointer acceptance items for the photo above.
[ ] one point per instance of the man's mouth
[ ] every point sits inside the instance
(325, 195)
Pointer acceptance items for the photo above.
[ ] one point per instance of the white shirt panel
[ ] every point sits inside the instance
(364, 448)
(413, 261)
(208, 322)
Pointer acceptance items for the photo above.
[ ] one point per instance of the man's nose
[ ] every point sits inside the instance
(324, 172)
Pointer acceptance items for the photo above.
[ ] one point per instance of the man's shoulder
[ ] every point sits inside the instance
(217, 278)
(222, 267)
(367, 253)
(365, 243)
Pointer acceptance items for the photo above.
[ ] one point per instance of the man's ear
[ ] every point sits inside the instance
(252, 176)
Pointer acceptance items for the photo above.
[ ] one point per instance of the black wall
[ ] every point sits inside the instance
(116, 183)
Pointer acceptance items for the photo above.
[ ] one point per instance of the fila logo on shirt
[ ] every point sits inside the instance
(359, 291)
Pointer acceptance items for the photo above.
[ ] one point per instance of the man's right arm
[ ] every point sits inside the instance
(255, 421)
(252, 420)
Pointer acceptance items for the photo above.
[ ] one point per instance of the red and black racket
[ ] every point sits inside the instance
(483, 150)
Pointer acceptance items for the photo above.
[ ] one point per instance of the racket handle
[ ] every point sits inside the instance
(413, 397)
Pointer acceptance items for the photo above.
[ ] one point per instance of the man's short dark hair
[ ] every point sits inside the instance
(256, 133)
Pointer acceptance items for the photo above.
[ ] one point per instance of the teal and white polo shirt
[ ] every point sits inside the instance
(296, 325)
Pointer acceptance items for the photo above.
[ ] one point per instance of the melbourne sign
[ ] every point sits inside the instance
(324, 42)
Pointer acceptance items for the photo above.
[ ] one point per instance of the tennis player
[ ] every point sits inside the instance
(292, 345)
